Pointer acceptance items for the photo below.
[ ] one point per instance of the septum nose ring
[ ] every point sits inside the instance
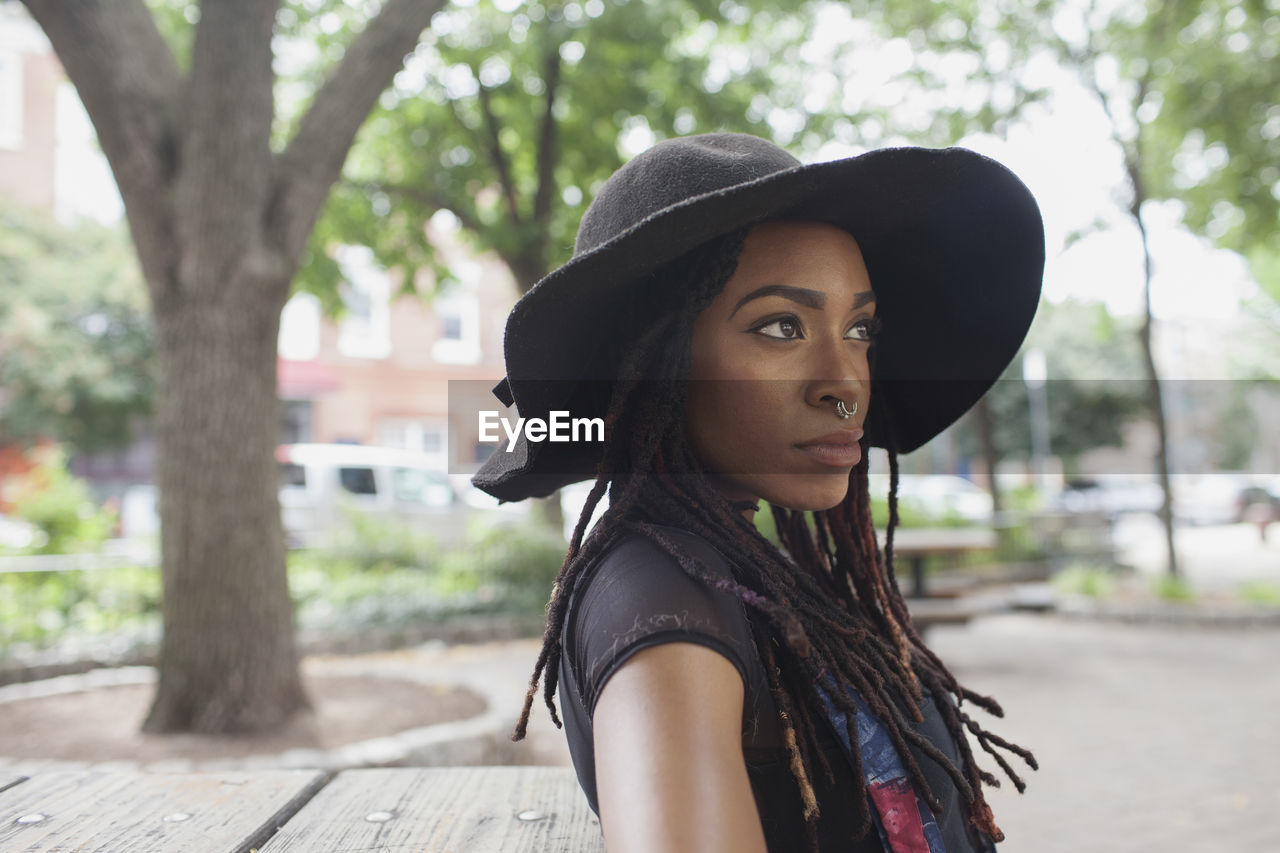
(844, 411)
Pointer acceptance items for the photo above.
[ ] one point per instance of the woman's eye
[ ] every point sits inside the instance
(787, 329)
(865, 330)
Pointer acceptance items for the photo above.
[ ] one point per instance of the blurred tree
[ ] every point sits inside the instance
(1187, 88)
(517, 112)
(1212, 120)
(1095, 385)
(221, 193)
(60, 506)
(75, 333)
(1237, 430)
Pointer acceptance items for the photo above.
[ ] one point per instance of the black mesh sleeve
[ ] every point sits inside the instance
(638, 596)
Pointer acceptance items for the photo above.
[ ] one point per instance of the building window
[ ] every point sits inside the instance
(415, 486)
(421, 436)
(365, 331)
(295, 421)
(451, 326)
(458, 310)
(10, 99)
(292, 476)
(358, 481)
(300, 328)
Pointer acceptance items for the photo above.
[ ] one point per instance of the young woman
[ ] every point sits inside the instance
(748, 327)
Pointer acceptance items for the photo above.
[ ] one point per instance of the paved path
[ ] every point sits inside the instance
(1211, 557)
(1148, 738)
(499, 671)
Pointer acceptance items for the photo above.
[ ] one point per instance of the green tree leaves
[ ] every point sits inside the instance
(76, 344)
(512, 114)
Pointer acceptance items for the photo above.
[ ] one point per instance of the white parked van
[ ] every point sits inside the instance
(318, 480)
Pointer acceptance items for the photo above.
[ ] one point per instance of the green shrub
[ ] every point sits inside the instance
(764, 523)
(494, 569)
(378, 544)
(1260, 592)
(1085, 579)
(911, 514)
(62, 509)
(1173, 589)
(522, 562)
(42, 608)
(1017, 541)
(1023, 499)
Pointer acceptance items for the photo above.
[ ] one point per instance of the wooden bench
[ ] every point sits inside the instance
(436, 809)
(917, 543)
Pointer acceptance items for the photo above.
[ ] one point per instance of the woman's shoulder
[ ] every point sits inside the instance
(665, 569)
(631, 548)
(637, 593)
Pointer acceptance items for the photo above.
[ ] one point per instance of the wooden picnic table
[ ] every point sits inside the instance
(429, 809)
(918, 543)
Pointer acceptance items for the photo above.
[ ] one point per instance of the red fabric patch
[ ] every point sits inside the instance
(895, 800)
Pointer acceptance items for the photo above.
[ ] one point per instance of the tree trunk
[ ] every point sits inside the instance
(1155, 397)
(229, 662)
(1156, 403)
(990, 456)
(220, 222)
(1133, 170)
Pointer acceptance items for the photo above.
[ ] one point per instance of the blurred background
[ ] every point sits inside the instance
(1127, 458)
(1148, 133)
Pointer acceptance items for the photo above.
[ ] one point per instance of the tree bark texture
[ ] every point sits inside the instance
(1132, 150)
(1155, 396)
(219, 222)
(228, 662)
(1133, 167)
(990, 455)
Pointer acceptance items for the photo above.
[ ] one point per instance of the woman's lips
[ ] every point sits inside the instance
(840, 449)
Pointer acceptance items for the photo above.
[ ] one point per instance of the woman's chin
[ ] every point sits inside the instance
(804, 492)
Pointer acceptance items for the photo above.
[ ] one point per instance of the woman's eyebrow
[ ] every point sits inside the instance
(863, 298)
(808, 298)
(804, 296)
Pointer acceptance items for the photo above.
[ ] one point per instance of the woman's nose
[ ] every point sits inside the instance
(838, 372)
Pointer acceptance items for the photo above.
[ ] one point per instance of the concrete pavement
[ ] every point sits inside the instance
(1210, 558)
(1149, 738)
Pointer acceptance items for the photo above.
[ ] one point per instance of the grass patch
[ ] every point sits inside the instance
(1173, 589)
(1260, 592)
(1084, 579)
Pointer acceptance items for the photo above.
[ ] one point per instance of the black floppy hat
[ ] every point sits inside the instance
(953, 242)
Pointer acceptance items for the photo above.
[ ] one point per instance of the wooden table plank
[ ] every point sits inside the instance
(8, 780)
(446, 810)
(88, 810)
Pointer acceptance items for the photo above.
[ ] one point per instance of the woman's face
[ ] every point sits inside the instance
(782, 343)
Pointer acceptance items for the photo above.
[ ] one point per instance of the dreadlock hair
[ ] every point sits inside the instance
(829, 606)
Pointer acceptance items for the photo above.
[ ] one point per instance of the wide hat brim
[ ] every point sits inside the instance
(954, 246)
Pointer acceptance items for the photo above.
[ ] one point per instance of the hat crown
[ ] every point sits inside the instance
(674, 171)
